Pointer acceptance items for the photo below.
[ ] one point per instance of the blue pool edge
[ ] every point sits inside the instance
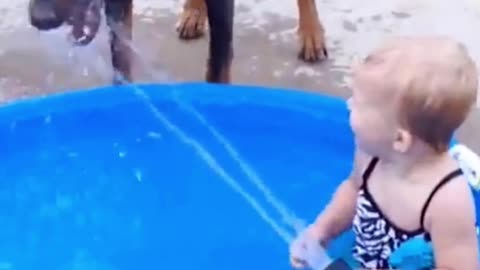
(197, 92)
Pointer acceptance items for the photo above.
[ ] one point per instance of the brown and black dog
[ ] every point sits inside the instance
(84, 17)
(310, 29)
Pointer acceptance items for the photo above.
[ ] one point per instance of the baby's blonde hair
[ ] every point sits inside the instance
(433, 82)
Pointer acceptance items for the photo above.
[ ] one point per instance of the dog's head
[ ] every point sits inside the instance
(83, 15)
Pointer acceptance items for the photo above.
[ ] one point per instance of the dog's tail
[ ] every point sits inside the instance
(220, 19)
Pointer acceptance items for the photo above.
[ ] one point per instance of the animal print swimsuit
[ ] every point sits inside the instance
(376, 236)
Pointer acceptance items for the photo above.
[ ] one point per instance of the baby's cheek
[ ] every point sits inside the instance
(352, 119)
(355, 123)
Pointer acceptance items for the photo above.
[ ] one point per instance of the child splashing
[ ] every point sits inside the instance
(409, 97)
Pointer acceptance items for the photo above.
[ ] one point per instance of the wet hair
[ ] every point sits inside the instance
(433, 82)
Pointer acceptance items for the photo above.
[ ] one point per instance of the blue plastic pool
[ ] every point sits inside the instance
(100, 179)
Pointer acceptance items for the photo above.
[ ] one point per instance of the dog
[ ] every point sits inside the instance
(310, 29)
(85, 16)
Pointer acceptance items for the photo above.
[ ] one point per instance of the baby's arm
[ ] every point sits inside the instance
(451, 223)
(339, 213)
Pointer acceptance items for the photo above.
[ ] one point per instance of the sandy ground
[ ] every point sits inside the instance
(265, 41)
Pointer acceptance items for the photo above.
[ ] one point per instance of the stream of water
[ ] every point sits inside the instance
(318, 259)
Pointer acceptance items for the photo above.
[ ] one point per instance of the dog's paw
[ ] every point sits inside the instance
(192, 23)
(312, 43)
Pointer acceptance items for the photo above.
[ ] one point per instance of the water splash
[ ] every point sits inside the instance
(74, 65)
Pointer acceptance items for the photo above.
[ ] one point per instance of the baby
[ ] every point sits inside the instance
(409, 97)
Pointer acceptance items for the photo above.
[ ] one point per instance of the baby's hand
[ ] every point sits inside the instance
(307, 249)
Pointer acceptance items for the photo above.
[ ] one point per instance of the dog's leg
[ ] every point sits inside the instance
(193, 19)
(311, 32)
(220, 21)
(119, 19)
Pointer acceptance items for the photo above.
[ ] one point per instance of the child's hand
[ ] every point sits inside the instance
(307, 249)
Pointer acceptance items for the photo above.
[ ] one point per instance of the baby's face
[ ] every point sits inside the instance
(372, 112)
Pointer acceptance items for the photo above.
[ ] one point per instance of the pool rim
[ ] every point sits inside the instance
(204, 93)
(196, 92)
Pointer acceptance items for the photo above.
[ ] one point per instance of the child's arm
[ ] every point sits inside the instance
(451, 223)
(338, 215)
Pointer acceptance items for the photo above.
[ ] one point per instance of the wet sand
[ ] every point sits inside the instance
(265, 42)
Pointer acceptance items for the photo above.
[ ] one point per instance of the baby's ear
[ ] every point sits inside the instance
(403, 141)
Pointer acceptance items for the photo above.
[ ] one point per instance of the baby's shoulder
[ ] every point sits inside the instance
(450, 186)
(453, 195)
(455, 189)
(449, 179)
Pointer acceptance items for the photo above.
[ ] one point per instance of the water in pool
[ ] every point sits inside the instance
(104, 180)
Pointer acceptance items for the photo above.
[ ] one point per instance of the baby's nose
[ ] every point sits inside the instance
(42, 14)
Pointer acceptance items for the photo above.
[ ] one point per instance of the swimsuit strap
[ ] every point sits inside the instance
(452, 175)
(368, 171)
